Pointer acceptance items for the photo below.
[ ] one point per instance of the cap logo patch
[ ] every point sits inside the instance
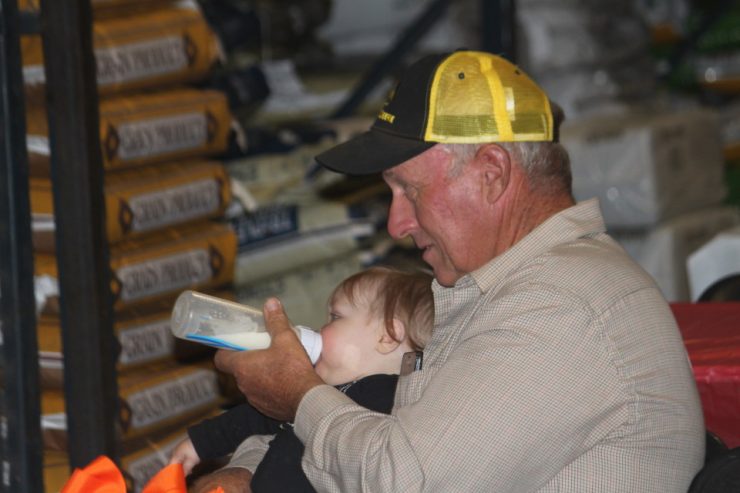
(385, 116)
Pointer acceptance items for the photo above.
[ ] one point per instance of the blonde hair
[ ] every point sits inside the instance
(396, 294)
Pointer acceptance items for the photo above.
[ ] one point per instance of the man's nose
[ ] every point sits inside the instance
(401, 218)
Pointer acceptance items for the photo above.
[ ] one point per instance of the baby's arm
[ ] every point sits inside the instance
(236, 476)
(219, 436)
(185, 454)
(250, 452)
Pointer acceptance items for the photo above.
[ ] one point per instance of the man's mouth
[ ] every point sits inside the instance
(425, 250)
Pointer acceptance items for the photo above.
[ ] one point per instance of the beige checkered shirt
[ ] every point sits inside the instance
(557, 367)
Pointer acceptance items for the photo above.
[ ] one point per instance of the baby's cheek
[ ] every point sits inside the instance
(339, 362)
(330, 353)
(329, 345)
(321, 369)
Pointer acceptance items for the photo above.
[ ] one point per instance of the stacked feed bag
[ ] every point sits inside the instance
(154, 401)
(141, 50)
(165, 194)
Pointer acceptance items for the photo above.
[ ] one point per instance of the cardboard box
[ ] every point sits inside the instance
(146, 128)
(159, 266)
(153, 399)
(146, 199)
(647, 168)
(154, 49)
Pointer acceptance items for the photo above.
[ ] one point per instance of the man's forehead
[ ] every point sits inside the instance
(398, 170)
(419, 166)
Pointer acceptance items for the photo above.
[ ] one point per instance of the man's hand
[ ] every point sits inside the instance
(275, 379)
(230, 480)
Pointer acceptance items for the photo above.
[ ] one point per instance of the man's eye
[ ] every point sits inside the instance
(411, 193)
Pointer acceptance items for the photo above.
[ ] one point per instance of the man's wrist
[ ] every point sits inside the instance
(315, 406)
(310, 383)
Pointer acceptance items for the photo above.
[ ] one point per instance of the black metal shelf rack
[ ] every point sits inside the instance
(81, 247)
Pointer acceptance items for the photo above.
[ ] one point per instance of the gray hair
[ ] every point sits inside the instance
(546, 164)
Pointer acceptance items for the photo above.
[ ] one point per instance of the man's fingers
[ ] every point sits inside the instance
(225, 360)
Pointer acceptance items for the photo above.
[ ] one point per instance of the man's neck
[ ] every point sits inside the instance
(526, 210)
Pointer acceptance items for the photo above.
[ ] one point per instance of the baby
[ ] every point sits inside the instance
(375, 317)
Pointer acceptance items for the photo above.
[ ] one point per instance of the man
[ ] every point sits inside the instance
(555, 363)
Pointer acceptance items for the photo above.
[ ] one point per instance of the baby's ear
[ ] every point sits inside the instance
(387, 344)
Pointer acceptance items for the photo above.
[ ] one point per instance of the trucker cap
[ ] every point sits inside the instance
(464, 97)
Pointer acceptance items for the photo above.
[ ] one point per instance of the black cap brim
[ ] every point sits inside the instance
(371, 152)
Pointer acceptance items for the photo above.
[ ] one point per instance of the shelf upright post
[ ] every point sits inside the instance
(90, 384)
(20, 429)
(498, 27)
(389, 61)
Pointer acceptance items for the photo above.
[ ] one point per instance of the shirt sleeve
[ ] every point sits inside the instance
(523, 393)
(250, 452)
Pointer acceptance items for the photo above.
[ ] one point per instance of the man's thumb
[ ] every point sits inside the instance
(275, 318)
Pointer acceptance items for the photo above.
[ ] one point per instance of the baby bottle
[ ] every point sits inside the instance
(227, 325)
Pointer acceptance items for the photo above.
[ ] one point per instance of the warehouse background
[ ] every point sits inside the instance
(205, 119)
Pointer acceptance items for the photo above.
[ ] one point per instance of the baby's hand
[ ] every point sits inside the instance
(185, 454)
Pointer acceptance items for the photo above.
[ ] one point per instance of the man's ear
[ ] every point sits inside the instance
(387, 344)
(496, 169)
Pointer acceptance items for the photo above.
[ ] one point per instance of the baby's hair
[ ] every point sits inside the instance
(397, 294)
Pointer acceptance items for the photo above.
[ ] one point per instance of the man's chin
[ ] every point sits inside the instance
(445, 278)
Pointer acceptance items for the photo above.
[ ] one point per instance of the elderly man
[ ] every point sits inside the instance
(555, 364)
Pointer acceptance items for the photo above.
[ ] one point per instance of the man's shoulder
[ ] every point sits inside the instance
(592, 272)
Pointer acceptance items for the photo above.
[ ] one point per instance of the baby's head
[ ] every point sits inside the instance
(375, 316)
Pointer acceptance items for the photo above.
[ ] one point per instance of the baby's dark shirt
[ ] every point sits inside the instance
(280, 469)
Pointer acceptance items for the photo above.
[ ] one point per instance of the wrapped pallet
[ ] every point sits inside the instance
(590, 56)
(646, 168)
